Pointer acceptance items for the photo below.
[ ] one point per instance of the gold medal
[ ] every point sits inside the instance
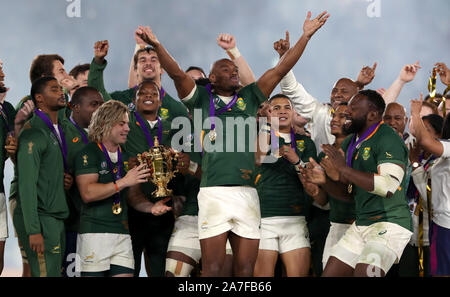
(116, 209)
(350, 188)
(212, 135)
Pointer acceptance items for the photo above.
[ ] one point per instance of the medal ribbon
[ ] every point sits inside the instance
(145, 130)
(274, 140)
(61, 139)
(117, 175)
(82, 132)
(212, 108)
(369, 133)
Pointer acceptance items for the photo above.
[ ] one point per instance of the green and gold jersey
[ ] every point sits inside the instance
(75, 143)
(191, 188)
(169, 110)
(279, 188)
(6, 123)
(384, 146)
(97, 217)
(230, 159)
(341, 212)
(40, 169)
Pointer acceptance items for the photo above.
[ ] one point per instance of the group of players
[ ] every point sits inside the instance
(82, 204)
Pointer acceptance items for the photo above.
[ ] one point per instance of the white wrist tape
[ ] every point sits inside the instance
(233, 53)
(178, 268)
(192, 167)
(388, 179)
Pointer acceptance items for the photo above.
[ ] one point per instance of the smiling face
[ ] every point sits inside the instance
(343, 91)
(147, 98)
(119, 131)
(338, 120)
(281, 108)
(148, 66)
(357, 111)
(224, 76)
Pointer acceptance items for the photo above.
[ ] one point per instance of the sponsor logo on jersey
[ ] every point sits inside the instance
(388, 156)
(89, 259)
(56, 249)
(164, 113)
(241, 104)
(366, 153)
(103, 164)
(204, 225)
(246, 173)
(75, 139)
(382, 232)
(300, 145)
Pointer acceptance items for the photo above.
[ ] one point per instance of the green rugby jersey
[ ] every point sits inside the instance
(191, 188)
(228, 165)
(75, 143)
(279, 188)
(385, 146)
(137, 144)
(40, 169)
(341, 212)
(97, 216)
(6, 122)
(170, 107)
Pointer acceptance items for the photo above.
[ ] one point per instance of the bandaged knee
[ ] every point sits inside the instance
(388, 179)
(178, 268)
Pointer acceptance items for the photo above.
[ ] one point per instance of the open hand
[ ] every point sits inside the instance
(311, 26)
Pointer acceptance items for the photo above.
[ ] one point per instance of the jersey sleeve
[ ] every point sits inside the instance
(310, 151)
(32, 146)
(257, 94)
(391, 150)
(95, 79)
(86, 162)
(446, 152)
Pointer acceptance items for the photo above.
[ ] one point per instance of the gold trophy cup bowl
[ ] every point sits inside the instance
(159, 159)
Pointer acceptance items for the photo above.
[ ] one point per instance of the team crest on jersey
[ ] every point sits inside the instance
(164, 113)
(366, 153)
(241, 104)
(30, 147)
(85, 161)
(125, 165)
(103, 165)
(300, 145)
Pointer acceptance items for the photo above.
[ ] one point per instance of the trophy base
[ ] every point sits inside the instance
(161, 193)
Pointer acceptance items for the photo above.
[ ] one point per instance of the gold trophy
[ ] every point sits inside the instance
(159, 160)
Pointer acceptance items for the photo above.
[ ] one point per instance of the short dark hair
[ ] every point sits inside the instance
(147, 49)
(446, 127)
(147, 81)
(42, 65)
(431, 105)
(80, 94)
(435, 121)
(196, 68)
(279, 95)
(77, 70)
(375, 100)
(39, 85)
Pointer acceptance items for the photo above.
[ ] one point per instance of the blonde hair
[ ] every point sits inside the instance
(105, 118)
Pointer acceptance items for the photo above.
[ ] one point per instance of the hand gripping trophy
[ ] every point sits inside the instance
(159, 160)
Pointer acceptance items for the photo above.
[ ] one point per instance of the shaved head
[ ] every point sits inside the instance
(395, 116)
(343, 90)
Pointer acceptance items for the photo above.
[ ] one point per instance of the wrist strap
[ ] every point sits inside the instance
(233, 53)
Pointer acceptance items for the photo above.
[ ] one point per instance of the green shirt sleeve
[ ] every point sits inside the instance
(32, 145)
(86, 162)
(391, 150)
(95, 79)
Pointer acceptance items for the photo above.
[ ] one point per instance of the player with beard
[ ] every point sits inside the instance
(342, 213)
(228, 202)
(372, 173)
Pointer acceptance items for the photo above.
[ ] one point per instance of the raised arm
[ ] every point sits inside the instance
(132, 76)
(98, 64)
(270, 79)
(423, 137)
(228, 43)
(406, 75)
(365, 76)
(183, 82)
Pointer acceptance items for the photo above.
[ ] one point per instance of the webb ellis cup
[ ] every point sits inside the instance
(159, 160)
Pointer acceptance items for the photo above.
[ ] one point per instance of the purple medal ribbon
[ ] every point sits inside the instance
(146, 132)
(212, 108)
(118, 174)
(61, 139)
(353, 145)
(82, 132)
